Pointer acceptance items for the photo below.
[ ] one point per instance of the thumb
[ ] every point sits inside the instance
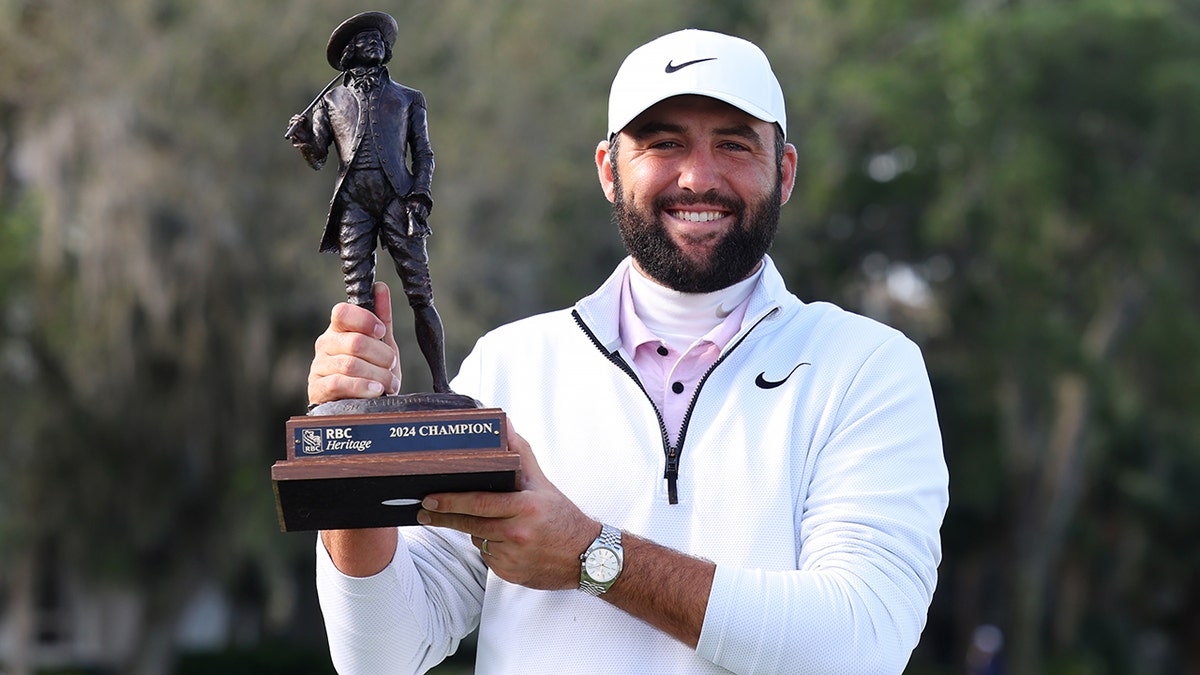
(531, 473)
(383, 310)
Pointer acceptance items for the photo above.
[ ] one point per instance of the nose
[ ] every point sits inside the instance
(698, 171)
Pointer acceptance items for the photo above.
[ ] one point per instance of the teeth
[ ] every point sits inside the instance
(698, 216)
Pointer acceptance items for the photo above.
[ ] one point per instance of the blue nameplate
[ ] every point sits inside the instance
(363, 435)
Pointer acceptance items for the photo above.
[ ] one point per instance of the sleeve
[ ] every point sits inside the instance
(411, 615)
(869, 540)
(421, 150)
(317, 151)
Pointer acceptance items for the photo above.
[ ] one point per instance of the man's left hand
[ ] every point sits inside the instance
(534, 536)
(419, 209)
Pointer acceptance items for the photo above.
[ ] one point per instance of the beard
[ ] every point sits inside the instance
(734, 257)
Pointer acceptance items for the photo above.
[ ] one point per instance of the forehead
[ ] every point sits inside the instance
(694, 112)
(368, 33)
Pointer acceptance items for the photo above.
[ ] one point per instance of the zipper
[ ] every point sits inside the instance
(620, 363)
(673, 453)
(673, 458)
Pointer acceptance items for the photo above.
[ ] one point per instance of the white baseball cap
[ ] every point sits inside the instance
(692, 61)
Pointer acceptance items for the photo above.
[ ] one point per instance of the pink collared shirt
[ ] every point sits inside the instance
(670, 376)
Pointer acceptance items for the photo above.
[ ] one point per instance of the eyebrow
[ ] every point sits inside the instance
(743, 131)
(653, 128)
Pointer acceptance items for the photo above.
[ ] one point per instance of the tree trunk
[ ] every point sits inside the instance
(1047, 515)
(1055, 476)
(154, 652)
(21, 614)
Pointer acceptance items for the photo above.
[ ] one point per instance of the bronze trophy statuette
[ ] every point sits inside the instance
(369, 462)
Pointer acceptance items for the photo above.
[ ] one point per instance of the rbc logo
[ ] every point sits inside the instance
(313, 441)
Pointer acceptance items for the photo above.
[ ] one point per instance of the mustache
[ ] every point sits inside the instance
(664, 203)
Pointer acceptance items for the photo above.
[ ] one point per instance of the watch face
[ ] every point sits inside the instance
(602, 565)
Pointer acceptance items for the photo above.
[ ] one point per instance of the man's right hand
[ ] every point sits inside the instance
(299, 131)
(356, 356)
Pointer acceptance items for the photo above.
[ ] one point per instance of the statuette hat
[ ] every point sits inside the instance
(701, 62)
(343, 34)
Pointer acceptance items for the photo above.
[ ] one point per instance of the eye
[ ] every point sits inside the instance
(666, 144)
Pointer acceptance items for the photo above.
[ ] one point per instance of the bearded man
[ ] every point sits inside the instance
(376, 125)
(716, 476)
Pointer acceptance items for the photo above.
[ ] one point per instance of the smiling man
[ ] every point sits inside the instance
(717, 476)
(689, 197)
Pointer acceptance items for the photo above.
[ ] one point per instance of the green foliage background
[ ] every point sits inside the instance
(1014, 184)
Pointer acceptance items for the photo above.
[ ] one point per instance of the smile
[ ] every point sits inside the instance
(698, 216)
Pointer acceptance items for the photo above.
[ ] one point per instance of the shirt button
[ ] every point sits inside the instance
(662, 351)
(677, 387)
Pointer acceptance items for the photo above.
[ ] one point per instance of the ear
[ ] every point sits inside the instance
(788, 172)
(604, 170)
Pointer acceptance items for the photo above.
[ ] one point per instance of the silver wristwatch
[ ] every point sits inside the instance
(601, 563)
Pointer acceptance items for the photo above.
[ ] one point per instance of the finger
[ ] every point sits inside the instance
(350, 371)
(479, 528)
(354, 355)
(348, 318)
(333, 344)
(488, 550)
(470, 508)
(339, 387)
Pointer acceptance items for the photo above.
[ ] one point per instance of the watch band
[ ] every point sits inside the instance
(592, 588)
(610, 538)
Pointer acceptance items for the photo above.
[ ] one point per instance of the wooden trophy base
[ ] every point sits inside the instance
(347, 470)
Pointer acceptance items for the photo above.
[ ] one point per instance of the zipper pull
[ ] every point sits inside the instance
(672, 476)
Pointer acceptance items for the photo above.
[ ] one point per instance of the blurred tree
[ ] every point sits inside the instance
(156, 356)
(162, 288)
(1010, 183)
(1032, 163)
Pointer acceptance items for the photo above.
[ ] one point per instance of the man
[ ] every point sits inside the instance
(374, 123)
(736, 480)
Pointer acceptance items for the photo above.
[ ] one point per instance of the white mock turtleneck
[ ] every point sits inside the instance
(682, 318)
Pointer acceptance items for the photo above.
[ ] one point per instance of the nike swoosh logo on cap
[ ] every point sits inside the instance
(764, 383)
(671, 67)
